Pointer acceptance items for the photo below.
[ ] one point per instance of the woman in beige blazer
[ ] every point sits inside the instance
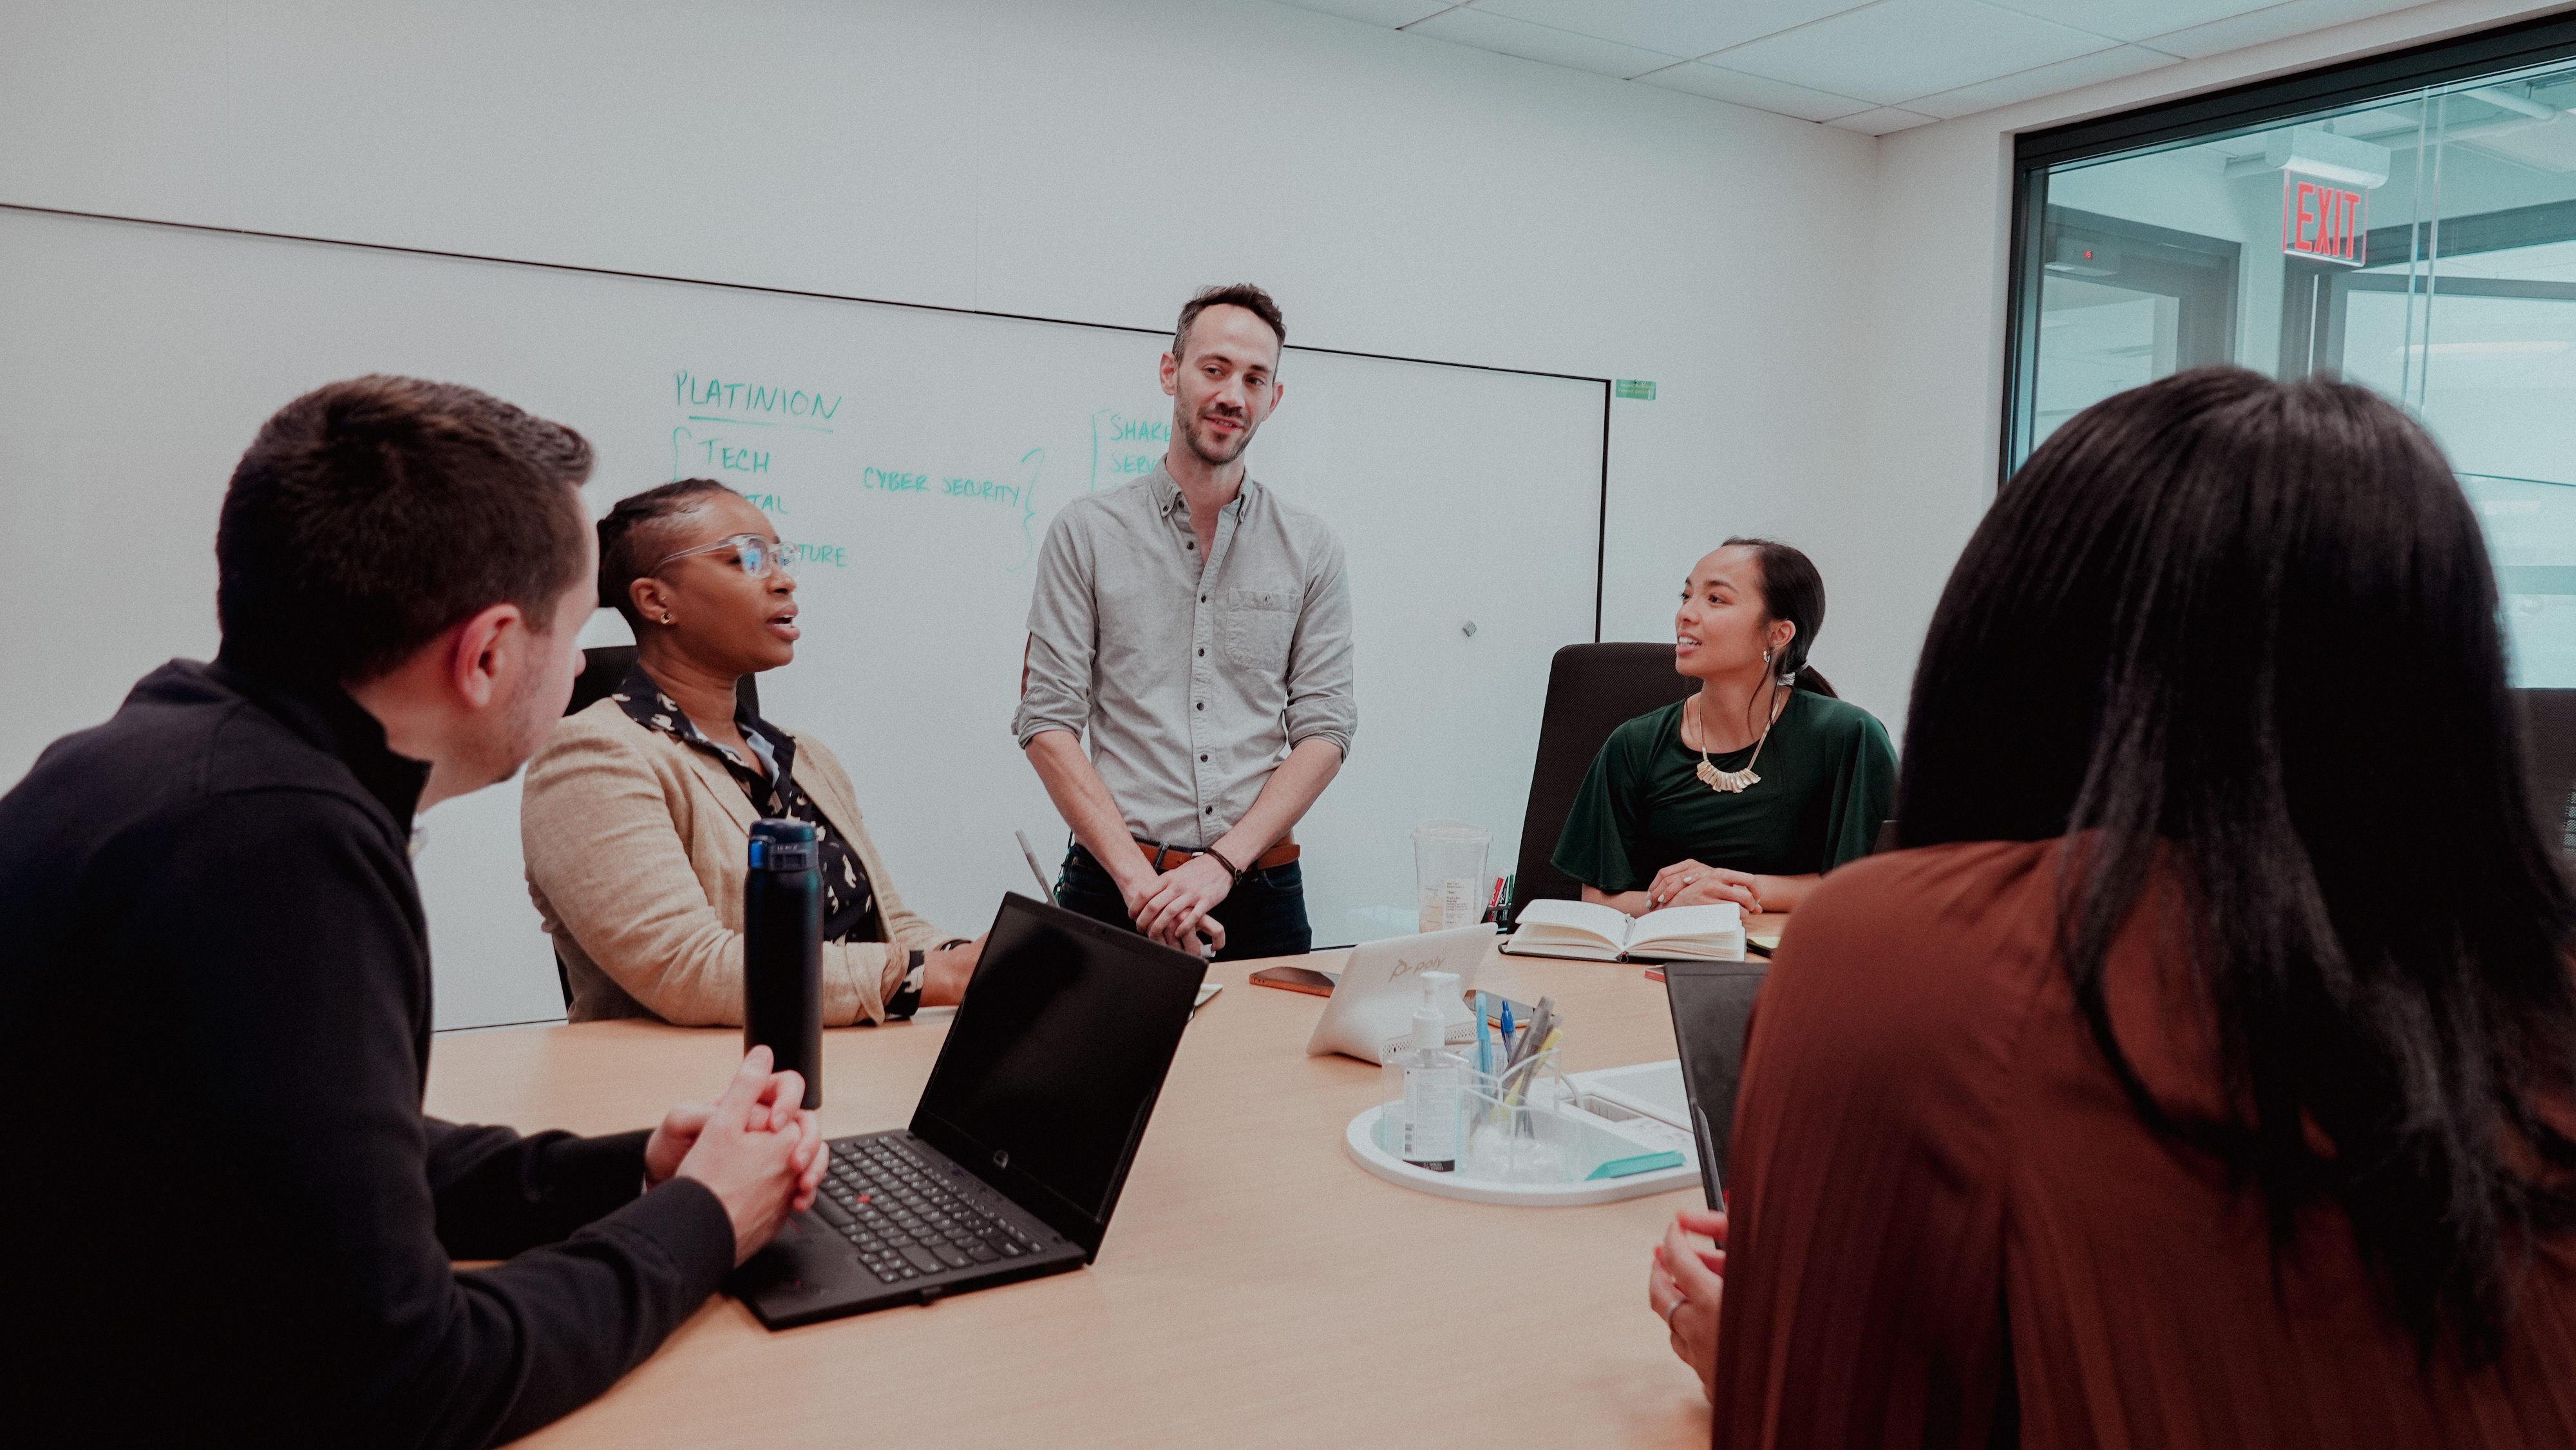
(637, 812)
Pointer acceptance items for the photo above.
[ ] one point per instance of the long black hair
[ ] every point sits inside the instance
(2241, 636)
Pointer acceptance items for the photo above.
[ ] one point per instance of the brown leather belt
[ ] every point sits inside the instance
(1166, 858)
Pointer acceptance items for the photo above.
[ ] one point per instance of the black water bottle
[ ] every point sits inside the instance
(782, 951)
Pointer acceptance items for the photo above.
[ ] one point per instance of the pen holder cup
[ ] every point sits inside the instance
(1509, 1129)
(1514, 1131)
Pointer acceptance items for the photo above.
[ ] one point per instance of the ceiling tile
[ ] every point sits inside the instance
(1540, 42)
(1882, 121)
(2273, 22)
(1899, 49)
(2045, 80)
(1675, 27)
(1377, 12)
(1761, 93)
(2133, 19)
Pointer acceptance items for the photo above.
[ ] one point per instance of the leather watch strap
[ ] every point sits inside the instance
(1166, 858)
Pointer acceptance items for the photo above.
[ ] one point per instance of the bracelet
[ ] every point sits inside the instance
(1231, 869)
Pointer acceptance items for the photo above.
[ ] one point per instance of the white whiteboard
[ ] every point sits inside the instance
(137, 360)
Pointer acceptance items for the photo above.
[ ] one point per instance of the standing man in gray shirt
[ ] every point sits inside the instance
(1200, 629)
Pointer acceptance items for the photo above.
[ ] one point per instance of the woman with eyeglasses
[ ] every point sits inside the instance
(636, 816)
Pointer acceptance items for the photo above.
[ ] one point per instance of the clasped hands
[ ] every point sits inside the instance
(756, 1148)
(1688, 883)
(1172, 908)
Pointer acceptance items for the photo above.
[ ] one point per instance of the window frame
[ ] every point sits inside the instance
(2194, 119)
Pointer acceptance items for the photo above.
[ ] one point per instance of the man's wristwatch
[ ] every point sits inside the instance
(907, 998)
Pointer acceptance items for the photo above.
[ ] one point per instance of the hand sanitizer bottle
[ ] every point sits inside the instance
(1432, 1076)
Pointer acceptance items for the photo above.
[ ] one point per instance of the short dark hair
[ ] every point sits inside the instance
(1239, 294)
(635, 535)
(371, 514)
(2242, 636)
(1794, 591)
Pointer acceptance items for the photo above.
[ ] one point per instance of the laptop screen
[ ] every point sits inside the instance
(1053, 1064)
(1712, 1009)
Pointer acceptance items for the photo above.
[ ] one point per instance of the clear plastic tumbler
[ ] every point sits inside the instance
(1449, 873)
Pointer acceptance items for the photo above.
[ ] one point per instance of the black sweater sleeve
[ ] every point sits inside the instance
(496, 1193)
(311, 993)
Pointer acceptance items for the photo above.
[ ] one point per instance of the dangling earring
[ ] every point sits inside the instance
(1766, 654)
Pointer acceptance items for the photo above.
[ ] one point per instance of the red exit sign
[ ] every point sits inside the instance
(2324, 222)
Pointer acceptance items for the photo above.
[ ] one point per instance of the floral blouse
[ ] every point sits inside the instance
(849, 902)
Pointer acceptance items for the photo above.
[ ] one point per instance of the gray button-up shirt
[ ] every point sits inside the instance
(1194, 677)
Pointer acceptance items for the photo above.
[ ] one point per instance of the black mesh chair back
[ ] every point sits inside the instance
(1591, 690)
(604, 667)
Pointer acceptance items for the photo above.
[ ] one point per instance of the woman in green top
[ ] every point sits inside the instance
(1750, 789)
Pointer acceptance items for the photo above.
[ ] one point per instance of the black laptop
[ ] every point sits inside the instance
(1712, 1009)
(1021, 1140)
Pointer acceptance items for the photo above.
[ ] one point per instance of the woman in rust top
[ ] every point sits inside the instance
(2201, 1074)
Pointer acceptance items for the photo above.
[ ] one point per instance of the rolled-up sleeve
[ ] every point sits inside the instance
(1322, 701)
(1063, 617)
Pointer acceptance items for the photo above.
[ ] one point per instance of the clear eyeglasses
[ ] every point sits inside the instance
(756, 555)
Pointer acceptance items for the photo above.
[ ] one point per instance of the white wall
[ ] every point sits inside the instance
(1823, 312)
(1093, 161)
(1934, 398)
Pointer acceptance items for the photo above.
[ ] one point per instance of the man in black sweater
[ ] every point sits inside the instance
(212, 932)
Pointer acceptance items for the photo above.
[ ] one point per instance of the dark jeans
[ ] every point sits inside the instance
(1264, 916)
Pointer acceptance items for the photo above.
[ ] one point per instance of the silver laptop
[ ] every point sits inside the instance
(1373, 999)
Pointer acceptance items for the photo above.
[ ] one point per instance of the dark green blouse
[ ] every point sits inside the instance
(1828, 780)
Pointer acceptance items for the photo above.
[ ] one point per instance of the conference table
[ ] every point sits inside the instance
(1256, 1287)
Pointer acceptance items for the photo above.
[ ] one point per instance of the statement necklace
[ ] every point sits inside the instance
(1729, 782)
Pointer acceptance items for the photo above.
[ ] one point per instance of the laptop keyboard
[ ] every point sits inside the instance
(883, 1198)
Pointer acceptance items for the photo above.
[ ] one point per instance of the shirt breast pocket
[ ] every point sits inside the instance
(1258, 626)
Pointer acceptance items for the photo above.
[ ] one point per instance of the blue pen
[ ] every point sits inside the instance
(1507, 1029)
(1484, 1040)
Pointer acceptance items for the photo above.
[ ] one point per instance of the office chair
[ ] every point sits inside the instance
(602, 670)
(604, 667)
(2549, 762)
(1591, 690)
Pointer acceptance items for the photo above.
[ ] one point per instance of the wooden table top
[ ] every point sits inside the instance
(1256, 1286)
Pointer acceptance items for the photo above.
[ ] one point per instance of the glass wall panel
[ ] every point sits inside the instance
(2422, 242)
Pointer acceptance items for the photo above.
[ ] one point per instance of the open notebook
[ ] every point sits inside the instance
(1604, 934)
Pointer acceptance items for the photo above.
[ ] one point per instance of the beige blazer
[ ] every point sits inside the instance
(637, 847)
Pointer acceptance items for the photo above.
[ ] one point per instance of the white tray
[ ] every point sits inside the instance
(1647, 1135)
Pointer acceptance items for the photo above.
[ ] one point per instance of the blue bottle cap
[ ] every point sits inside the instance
(782, 845)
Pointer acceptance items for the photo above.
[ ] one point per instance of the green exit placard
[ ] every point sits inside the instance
(1632, 388)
